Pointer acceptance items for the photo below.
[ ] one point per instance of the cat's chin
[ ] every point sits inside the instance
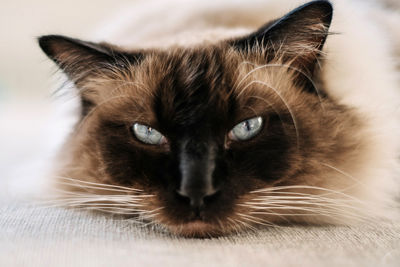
(197, 229)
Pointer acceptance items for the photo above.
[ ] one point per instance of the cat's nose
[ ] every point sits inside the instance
(197, 165)
(197, 199)
(197, 184)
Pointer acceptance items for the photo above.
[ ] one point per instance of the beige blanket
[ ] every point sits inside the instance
(39, 237)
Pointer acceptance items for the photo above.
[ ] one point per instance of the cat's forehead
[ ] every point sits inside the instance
(188, 86)
(207, 85)
(187, 69)
(215, 80)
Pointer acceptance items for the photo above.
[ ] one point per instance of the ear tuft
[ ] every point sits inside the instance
(81, 59)
(59, 48)
(84, 62)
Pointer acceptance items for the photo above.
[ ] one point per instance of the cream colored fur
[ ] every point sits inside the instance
(359, 70)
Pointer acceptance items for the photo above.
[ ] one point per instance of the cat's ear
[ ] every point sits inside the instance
(297, 37)
(81, 60)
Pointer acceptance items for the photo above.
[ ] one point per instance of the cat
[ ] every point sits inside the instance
(239, 129)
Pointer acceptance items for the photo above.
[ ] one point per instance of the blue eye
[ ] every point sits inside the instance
(246, 129)
(148, 135)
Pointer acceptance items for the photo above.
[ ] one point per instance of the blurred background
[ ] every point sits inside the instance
(24, 70)
(30, 124)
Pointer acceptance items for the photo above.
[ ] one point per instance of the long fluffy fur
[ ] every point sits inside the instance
(359, 69)
(359, 73)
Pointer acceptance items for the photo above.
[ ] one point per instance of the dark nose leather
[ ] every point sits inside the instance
(197, 164)
(197, 200)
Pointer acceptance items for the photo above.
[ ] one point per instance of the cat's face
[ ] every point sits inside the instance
(205, 136)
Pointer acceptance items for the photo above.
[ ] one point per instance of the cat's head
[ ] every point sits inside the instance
(213, 138)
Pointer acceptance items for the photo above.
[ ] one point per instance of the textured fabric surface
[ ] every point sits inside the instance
(37, 236)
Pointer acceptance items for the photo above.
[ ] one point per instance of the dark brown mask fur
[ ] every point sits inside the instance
(200, 181)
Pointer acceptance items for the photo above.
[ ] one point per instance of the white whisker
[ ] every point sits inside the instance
(329, 191)
(345, 174)
(285, 66)
(286, 104)
(122, 188)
